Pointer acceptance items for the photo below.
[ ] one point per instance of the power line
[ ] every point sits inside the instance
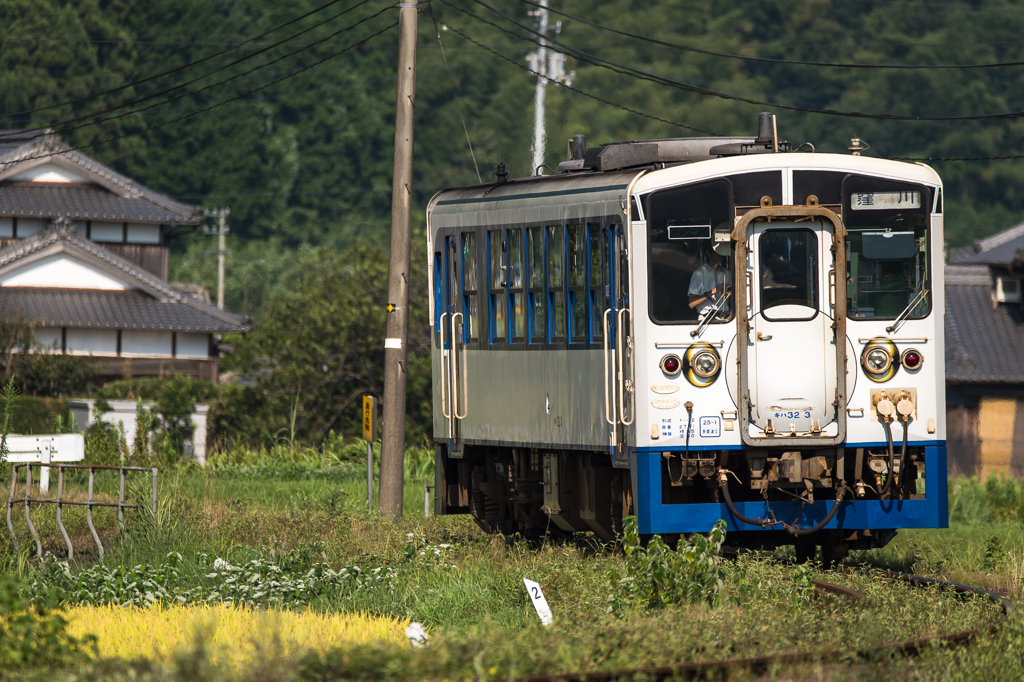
(45, 131)
(191, 64)
(577, 90)
(845, 65)
(654, 78)
(206, 109)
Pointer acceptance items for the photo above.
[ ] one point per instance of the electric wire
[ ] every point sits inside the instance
(712, 53)
(70, 150)
(456, 95)
(577, 90)
(663, 80)
(46, 131)
(191, 64)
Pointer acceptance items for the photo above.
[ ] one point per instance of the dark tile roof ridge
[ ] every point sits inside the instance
(54, 149)
(60, 231)
(1000, 238)
(969, 274)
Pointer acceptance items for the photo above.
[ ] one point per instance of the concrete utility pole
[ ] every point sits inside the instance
(550, 65)
(392, 454)
(222, 229)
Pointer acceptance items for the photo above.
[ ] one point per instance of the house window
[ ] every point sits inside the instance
(538, 293)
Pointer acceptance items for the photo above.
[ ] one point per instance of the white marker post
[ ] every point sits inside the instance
(539, 602)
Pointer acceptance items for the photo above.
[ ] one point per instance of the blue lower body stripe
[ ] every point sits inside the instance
(655, 517)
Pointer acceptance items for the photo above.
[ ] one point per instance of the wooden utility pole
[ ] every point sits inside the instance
(392, 454)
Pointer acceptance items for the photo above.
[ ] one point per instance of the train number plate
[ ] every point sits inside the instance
(881, 201)
(710, 427)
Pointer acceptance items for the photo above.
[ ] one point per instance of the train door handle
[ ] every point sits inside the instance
(620, 349)
(445, 370)
(832, 288)
(609, 405)
(457, 373)
(764, 337)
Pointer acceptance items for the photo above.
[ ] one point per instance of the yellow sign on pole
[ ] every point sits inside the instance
(369, 418)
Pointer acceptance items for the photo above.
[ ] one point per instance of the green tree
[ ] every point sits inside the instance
(320, 346)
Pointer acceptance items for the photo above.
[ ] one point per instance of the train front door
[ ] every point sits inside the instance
(793, 375)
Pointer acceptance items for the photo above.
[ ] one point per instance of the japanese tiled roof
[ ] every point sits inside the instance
(151, 304)
(109, 196)
(999, 249)
(984, 340)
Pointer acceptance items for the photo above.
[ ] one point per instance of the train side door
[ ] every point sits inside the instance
(617, 342)
(453, 345)
(794, 376)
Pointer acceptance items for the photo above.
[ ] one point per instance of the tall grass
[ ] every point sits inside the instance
(973, 501)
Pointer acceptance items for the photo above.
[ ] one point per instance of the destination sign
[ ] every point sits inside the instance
(883, 201)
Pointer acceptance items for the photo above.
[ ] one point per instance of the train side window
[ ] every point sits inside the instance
(600, 299)
(888, 268)
(556, 281)
(538, 292)
(498, 268)
(471, 325)
(515, 285)
(577, 283)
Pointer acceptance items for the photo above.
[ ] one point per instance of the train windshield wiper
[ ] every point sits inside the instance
(906, 311)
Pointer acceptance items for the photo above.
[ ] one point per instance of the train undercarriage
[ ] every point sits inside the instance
(533, 492)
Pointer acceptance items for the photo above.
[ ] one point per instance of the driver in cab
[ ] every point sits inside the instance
(710, 282)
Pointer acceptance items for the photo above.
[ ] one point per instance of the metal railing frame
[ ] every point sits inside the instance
(59, 501)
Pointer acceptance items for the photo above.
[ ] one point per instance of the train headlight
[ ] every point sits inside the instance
(702, 364)
(671, 365)
(705, 364)
(912, 359)
(880, 360)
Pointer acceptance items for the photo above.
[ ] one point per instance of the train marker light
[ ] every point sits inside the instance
(912, 359)
(671, 365)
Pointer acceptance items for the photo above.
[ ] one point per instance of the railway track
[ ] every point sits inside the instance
(757, 664)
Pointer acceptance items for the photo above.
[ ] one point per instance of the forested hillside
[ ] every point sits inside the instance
(283, 112)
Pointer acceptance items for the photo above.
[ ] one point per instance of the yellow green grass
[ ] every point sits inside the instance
(233, 636)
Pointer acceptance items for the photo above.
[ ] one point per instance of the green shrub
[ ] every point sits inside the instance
(32, 634)
(31, 415)
(657, 577)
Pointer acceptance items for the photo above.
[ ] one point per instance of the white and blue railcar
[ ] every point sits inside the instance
(693, 329)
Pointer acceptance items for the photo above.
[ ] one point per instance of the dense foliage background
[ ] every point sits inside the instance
(305, 163)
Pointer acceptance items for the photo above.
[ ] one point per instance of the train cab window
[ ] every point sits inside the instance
(888, 273)
(684, 254)
(789, 274)
(497, 266)
(600, 289)
(515, 285)
(556, 281)
(577, 283)
(471, 325)
(438, 294)
(538, 292)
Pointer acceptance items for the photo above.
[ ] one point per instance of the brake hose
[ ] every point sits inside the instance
(903, 452)
(892, 455)
(682, 466)
(723, 481)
